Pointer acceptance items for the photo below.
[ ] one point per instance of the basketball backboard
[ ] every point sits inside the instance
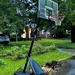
(46, 8)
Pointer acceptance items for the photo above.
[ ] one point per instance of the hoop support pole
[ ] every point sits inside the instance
(35, 32)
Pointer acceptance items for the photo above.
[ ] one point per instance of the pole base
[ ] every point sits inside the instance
(21, 73)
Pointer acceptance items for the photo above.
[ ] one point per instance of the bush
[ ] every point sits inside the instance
(51, 48)
(15, 52)
(39, 37)
(24, 49)
(2, 62)
(18, 52)
(38, 49)
(13, 38)
(1, 49)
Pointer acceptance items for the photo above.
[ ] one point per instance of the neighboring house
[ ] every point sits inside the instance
(45, 34)
(24, 34)
(29, 33)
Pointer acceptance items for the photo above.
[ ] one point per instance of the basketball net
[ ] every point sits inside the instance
(57, 19)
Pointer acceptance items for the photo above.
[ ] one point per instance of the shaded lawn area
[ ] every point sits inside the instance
(61, 43)
(12, 65)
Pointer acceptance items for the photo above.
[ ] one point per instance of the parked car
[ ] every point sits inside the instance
(4, 39)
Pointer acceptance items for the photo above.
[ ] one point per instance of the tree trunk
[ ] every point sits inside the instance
(27, 33)
(73, 34)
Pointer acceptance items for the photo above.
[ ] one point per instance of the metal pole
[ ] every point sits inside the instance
(31, 46)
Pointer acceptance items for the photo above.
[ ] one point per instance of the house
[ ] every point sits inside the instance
(42, 33)
(25, 33)
(45, 34)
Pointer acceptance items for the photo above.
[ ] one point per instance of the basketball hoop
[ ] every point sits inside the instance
(57, 19)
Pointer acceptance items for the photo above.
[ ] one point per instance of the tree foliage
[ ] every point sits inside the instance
(15, 14)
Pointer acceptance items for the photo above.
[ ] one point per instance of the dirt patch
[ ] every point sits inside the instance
(66, 67)
(51, 68)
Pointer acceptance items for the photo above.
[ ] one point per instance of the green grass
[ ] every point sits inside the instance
(61, 43)
(12, 65)
(49, 56)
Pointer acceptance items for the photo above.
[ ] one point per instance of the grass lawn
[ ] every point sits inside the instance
(12, 65)
(62, 43)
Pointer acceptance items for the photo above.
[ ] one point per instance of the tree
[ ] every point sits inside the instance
(19, 13)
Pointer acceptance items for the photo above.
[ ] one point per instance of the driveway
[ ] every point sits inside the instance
(68, 67)
(72, 51)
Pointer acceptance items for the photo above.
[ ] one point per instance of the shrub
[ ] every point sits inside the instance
(1, 49)
(18, 52)
(51, 48)
(7, 52)
(38, 49)
(2, 62)
(24, 49)
(13, 38)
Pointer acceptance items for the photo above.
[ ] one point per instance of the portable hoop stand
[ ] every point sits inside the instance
(35, 67)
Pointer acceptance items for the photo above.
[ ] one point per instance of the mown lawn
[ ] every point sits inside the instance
(62, 43)
(12, 65)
